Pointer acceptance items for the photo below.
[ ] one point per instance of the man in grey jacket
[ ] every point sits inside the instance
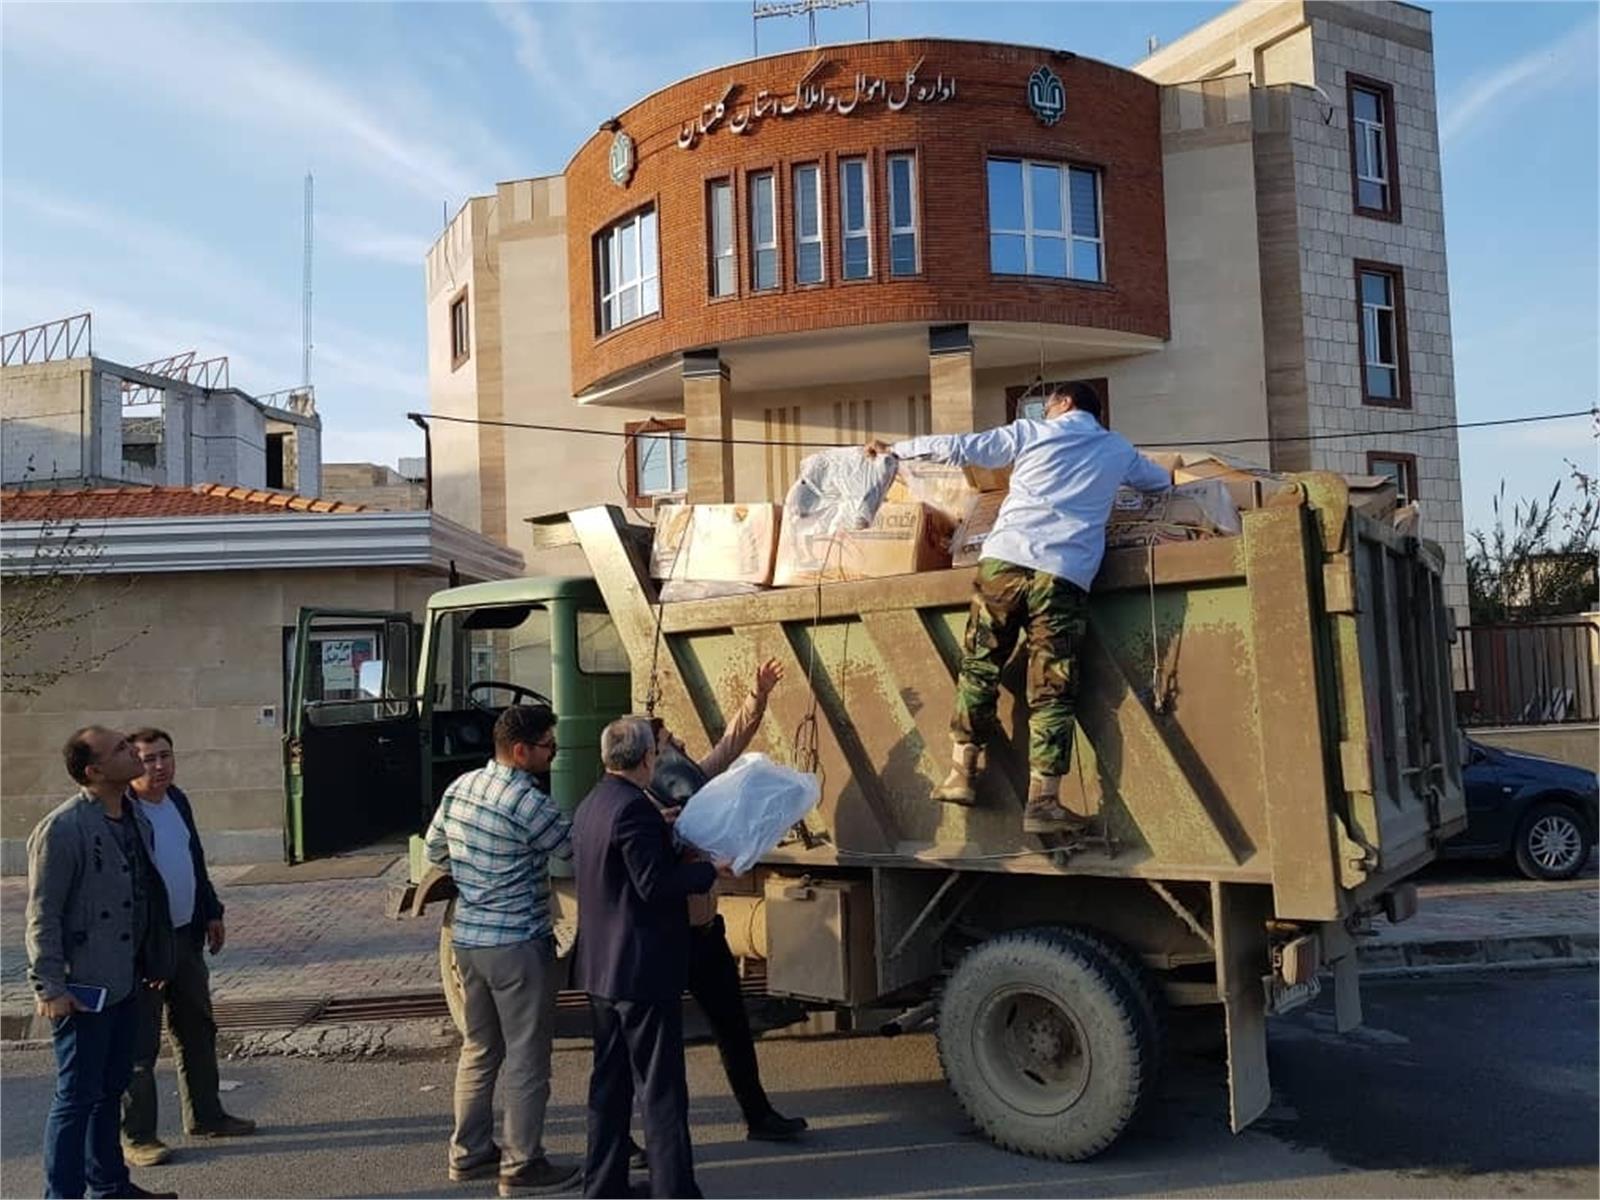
(98, 930)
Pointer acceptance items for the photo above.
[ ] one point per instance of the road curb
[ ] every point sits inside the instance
(1534, 949)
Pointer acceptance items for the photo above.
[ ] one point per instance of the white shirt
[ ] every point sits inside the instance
(1064, 477)
(173, 857)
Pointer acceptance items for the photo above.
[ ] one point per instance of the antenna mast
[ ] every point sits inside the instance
(305, 301)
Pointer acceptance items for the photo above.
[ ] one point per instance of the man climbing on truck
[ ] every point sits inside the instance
(1034, 576)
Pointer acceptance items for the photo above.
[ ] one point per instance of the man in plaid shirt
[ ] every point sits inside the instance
(495, 832)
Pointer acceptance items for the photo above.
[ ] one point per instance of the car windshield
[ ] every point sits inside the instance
(507, 644)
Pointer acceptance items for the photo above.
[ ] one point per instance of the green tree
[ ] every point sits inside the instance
(1538, 559)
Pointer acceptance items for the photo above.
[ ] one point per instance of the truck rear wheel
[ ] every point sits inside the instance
(1146, 993)
(449, 974)
(1044, 1043)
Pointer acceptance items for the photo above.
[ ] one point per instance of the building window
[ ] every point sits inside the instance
(1374, 163)
(719, 211)
(855, 218)
(460, 339)
(1380, 309)
(763, 232)
(808, 254)
(630, 284)
(1029, 401)
(1401, 468)
(1044, 219)
(658, 461)
(903, 258)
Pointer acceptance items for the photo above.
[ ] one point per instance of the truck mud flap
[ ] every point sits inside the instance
(1240, 913)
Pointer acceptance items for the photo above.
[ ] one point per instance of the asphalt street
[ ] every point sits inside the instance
(1478, 1085)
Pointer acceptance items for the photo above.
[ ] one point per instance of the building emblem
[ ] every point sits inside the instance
(1046, 95)
(622, 159)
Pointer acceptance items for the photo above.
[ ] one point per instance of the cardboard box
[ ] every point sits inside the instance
(1189, 511)
(715, 543)
(944, 488)
(1250, 486)
(1373, 496)
(902, 540)
(988, 479)
(966, 547)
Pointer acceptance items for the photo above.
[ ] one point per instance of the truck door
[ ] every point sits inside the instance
(352, 748)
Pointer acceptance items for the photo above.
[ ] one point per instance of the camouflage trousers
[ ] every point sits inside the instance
(1007, 602)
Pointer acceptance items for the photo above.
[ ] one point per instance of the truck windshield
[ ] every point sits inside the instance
(505, 645)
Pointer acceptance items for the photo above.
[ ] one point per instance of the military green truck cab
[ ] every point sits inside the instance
(377, 730)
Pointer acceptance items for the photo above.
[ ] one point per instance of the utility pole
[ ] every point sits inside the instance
(305, 299)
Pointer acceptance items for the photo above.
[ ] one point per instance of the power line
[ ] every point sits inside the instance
(1241, 441)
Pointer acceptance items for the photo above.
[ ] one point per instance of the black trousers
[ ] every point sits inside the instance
(638, 1042)
(187, 1001)
(714, 984)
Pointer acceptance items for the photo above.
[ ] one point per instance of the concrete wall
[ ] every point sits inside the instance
(1575, 744)
(373, 485)
(205, 659)
(452, 264)
(44, 415)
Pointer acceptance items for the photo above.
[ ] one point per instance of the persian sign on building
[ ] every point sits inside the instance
(745, 117)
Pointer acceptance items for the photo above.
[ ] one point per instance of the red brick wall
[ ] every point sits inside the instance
(1112, 122)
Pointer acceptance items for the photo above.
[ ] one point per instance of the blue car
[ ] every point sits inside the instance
(1540, 813)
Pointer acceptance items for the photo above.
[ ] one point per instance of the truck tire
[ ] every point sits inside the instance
(1553, 841)
(449, 974)
(1044, 1043)
(1146, 993)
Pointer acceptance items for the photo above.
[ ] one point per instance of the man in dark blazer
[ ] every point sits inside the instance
(633, 960)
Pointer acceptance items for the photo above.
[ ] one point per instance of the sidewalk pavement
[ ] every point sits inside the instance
(333, 939)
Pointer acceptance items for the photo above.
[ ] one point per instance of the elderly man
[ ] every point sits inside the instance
(197, 925)
(1033, 578)
(495, 831)
(713, 971)
(97, 932)
(633, 960)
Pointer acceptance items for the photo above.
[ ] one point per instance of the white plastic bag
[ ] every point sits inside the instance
(839, 490)
(745, 811)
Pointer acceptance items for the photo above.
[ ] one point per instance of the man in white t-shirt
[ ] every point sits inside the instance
(197, 925)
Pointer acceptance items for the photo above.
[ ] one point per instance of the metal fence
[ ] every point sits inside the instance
(1547, 673)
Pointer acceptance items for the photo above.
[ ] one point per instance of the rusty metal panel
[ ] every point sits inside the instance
(1293, 762)
(1239, 916)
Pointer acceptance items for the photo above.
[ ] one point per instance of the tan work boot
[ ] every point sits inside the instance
(961, 785)
(1045, 813)
(146, 1154)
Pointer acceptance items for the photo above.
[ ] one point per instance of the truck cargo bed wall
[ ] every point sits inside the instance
(1225, 693)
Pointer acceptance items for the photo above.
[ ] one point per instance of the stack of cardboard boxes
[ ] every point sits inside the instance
(934, 517)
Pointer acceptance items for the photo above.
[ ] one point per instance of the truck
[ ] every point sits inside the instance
(1266, 745)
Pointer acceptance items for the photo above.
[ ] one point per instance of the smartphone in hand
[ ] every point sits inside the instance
(90, 997)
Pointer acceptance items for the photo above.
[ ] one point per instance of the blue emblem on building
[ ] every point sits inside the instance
(1046, 95)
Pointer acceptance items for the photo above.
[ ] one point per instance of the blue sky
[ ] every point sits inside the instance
(153, 159)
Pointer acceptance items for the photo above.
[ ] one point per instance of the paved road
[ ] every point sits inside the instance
(1465, 1086)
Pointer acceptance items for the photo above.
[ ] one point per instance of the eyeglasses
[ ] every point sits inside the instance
(548, 744)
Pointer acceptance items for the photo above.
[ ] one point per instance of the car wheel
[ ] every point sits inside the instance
(1552, 842)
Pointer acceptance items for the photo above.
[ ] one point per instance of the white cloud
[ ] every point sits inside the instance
(1570, 56)
(240, 84)
(354, 237)
(530, 46)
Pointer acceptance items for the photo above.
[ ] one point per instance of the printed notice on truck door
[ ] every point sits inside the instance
(338, 666)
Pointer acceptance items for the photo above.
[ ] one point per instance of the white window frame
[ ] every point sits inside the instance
(610, 245)
(756, 244)
(1371, 314)
(1067, 234)
(722, 254)
(862, 233)
(911, 228)
(817, 240)
(671, 439)
(1373, 137)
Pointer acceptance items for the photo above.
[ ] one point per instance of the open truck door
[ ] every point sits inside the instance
(353, 750)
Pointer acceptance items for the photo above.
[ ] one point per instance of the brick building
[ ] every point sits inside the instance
(1239, 238)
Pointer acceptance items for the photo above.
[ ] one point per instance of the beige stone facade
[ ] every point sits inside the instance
(203, 656)
(1260, 246)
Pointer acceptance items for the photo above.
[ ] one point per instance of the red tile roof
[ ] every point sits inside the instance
(202, 500)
